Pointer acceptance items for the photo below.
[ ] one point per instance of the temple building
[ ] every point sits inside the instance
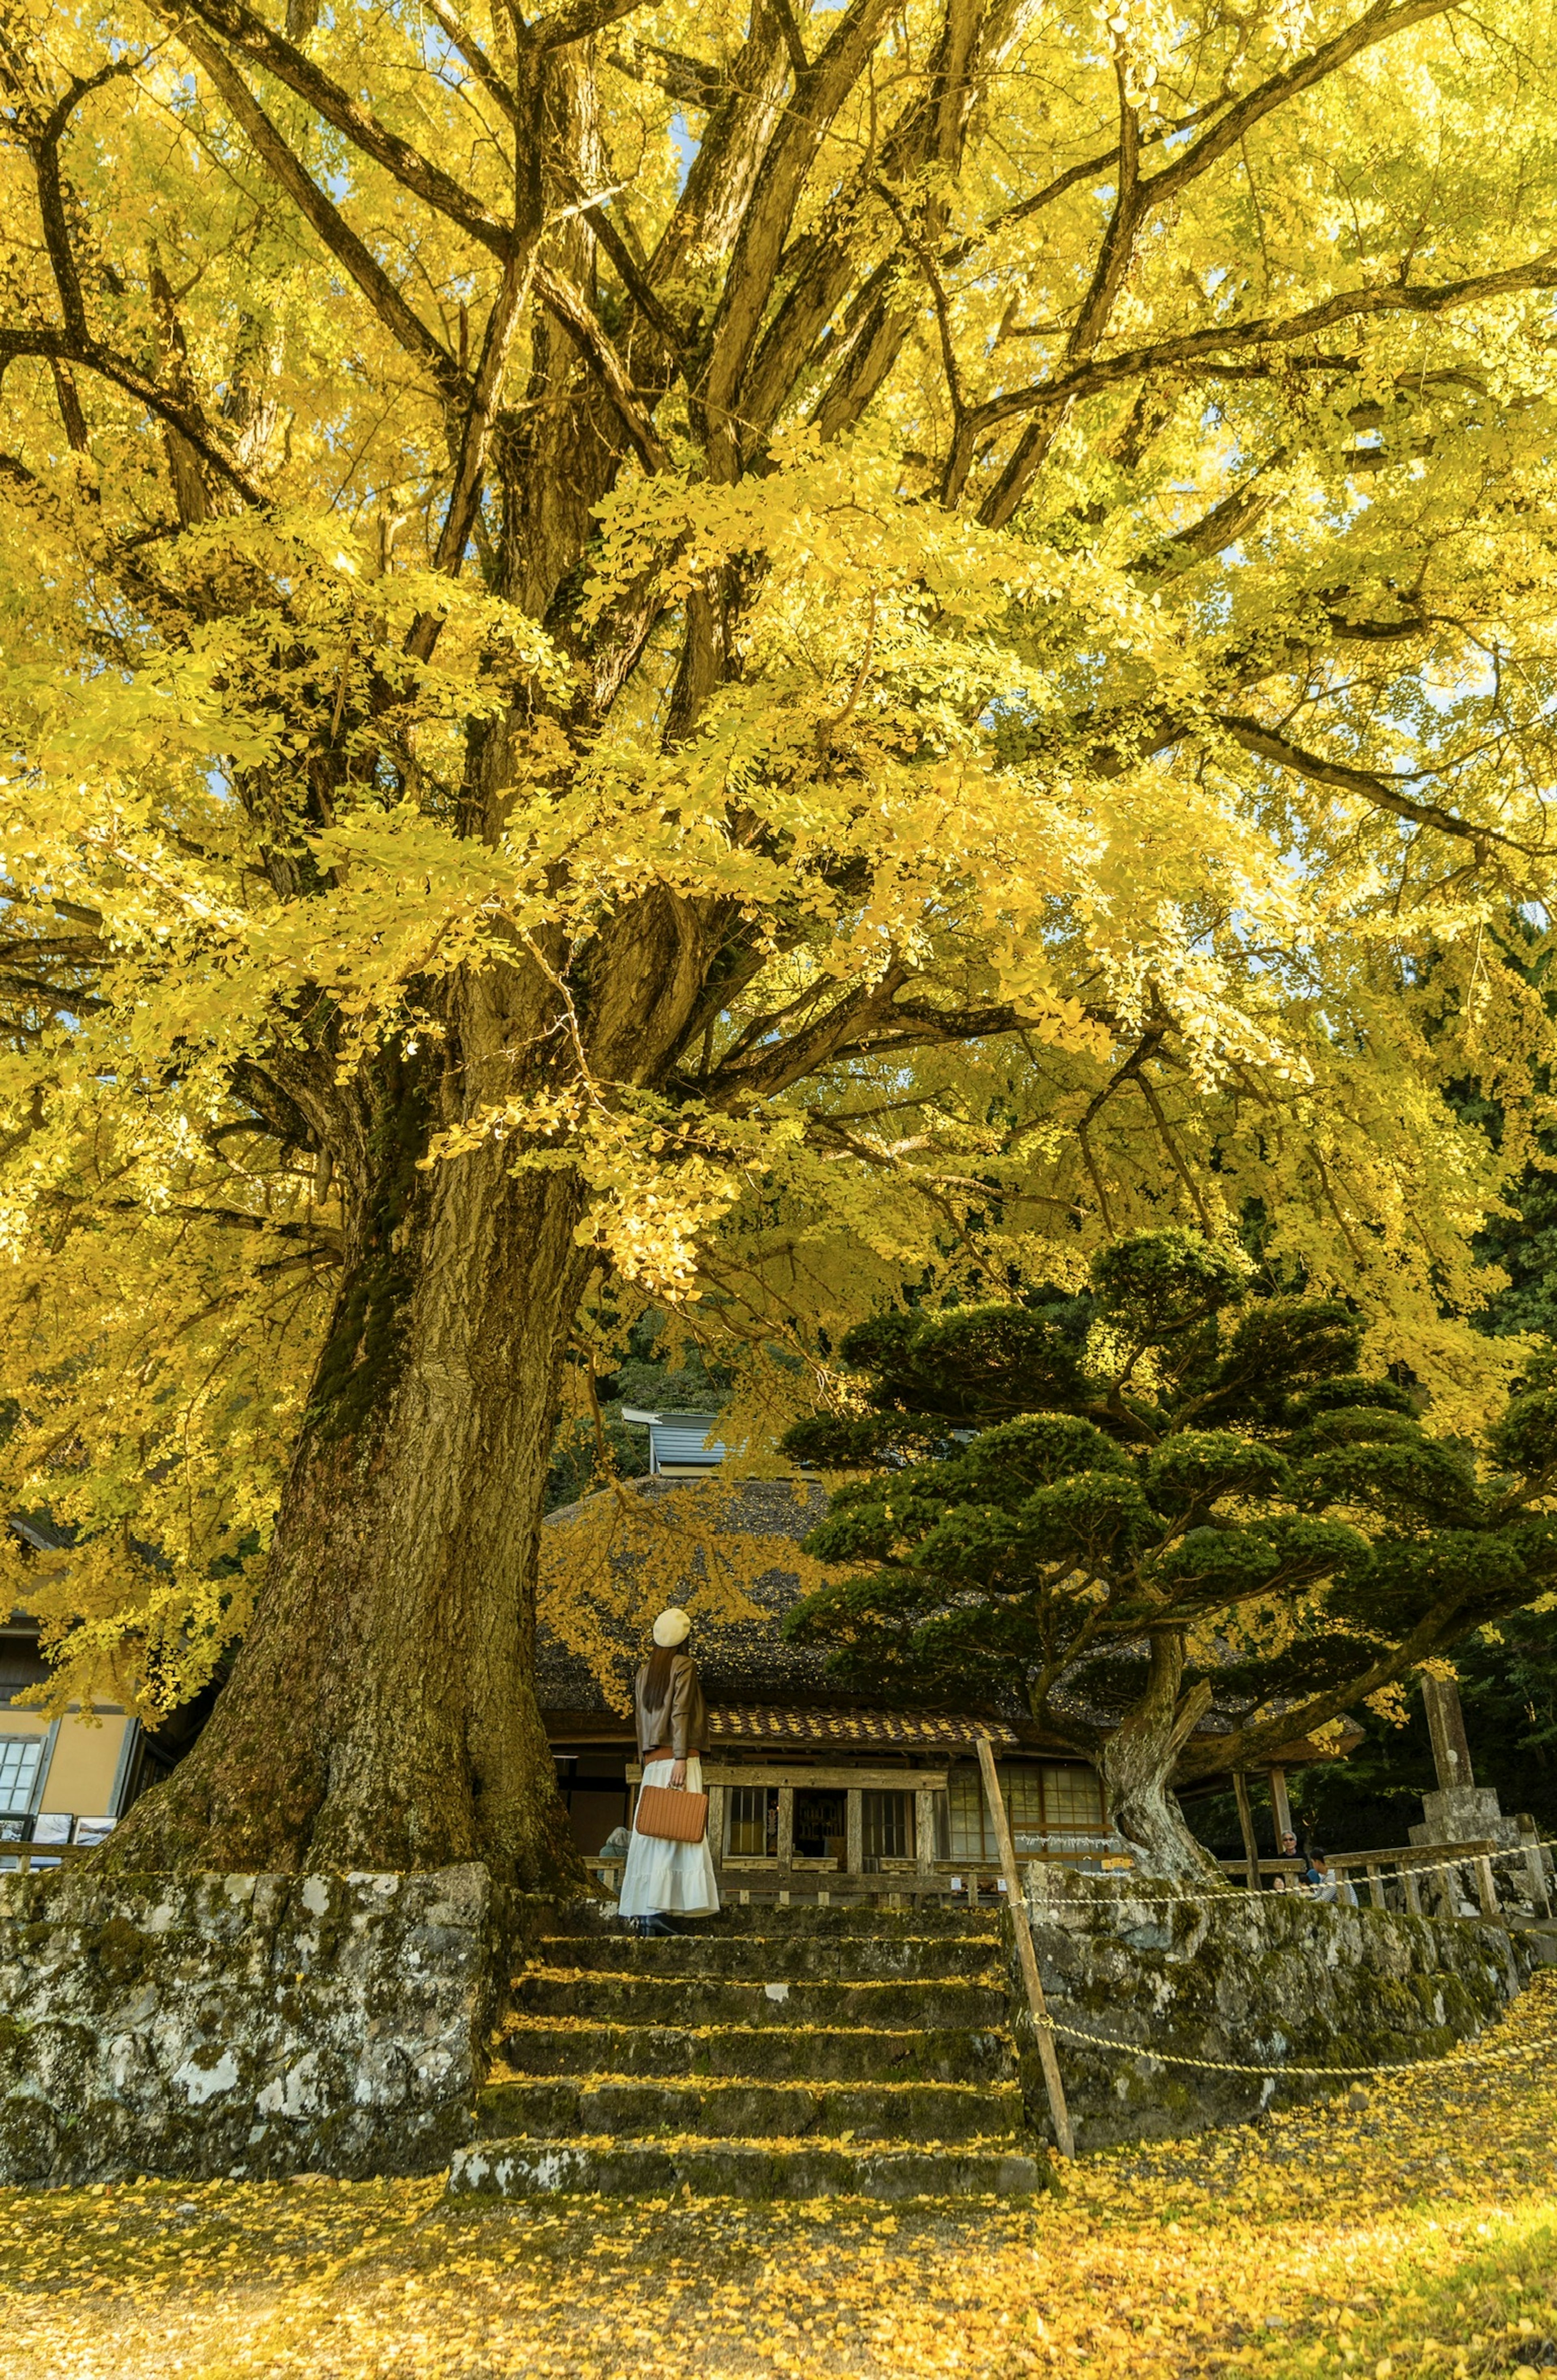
(804, 1779)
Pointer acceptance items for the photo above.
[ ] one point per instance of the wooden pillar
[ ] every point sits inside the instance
(1021, 1926)
(716, 1824)
(1486, 1891)
(1281, 1808)
(1446, 1726)
(1534, 1867)
(1245, 1828)
(1412, 1891)
(785, 1832)
(924, 1835)
(1375, 1885)
(854, 1830)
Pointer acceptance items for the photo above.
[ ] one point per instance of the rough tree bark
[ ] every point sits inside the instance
(1138, 1761)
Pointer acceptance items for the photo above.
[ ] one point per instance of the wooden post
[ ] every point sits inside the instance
(1281, 1808)
(1446, 1726)
(854, 1830)
(1487, 1891)
(1534, 1867)
(1027, 1955)
(785, 1832)
(716, 1824)
(924, 1835)
(1245, 1828)
(1375, 1885)
(1413, 1890)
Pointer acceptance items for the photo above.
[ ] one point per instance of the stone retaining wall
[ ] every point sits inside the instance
(255, 2025)
(1242, 1977)
(258, 2026)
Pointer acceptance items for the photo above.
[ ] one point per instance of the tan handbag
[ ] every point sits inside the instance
(671, 1814)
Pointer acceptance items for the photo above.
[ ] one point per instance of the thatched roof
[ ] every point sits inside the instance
(761, 1691)
(742, 1661)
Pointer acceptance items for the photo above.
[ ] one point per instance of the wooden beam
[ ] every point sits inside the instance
(924, 1832)
(1027, 1955)
(1281, 1808)
(834, 1777)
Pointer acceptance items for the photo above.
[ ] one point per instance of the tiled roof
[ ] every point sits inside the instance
(765, 1722)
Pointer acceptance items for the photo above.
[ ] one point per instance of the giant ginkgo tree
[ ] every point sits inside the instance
(600, 606)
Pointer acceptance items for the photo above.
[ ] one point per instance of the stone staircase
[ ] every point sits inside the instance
(767, 2053)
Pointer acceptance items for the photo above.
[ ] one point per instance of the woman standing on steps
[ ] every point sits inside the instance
(664, 1877)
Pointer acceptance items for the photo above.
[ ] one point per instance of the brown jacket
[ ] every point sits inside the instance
(679, 1725)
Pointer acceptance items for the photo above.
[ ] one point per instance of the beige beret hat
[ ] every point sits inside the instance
(673, 1627)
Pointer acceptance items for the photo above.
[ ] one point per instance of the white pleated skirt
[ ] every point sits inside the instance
(671, 1878)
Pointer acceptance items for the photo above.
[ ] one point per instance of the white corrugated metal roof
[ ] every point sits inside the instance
(680, 1441)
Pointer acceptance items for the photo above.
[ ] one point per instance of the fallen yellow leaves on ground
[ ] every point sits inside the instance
(1416, 2234)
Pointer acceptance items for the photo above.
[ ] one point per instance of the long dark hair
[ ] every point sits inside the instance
(658, 1672)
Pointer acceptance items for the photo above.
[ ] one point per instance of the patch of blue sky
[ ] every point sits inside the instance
(686, 144)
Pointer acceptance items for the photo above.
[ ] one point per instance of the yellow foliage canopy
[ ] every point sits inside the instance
(887, 641)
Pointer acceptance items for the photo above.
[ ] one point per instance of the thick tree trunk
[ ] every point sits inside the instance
(1136, 1763)
(381, 1712)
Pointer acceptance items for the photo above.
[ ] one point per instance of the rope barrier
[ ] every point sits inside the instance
(1338, 2073)
(1382, 1875)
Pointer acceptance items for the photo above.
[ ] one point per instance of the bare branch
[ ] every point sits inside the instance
(1371, 787)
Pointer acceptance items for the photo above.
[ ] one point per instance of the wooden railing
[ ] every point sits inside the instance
(1368, 1867)
(25, 1855)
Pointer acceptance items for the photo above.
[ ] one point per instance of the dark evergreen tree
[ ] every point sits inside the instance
(1124, 1505)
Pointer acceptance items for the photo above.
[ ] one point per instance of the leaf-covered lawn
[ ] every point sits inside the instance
(1417, 2234)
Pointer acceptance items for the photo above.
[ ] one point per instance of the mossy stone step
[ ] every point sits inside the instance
(831, 1922)
(757, 2169)
(823, 2053)
(698, 2000)
(780, 1957)
(516, 2108)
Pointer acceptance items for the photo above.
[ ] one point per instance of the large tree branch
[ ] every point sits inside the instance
(242, 29)
(92, 357)
(1380, 23)
(932, 128)
(475, 441)
(819, 93)
(1379, 791)
(399, 319)
(51, 191)
(1352, 305)
(582, 324)
(1248, 1745)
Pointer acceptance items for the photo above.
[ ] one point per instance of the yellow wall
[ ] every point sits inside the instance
(80, 1777)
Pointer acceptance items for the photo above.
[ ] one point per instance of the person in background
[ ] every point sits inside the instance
(663, 1879)
(1325, 1883)
(1286, 1848)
